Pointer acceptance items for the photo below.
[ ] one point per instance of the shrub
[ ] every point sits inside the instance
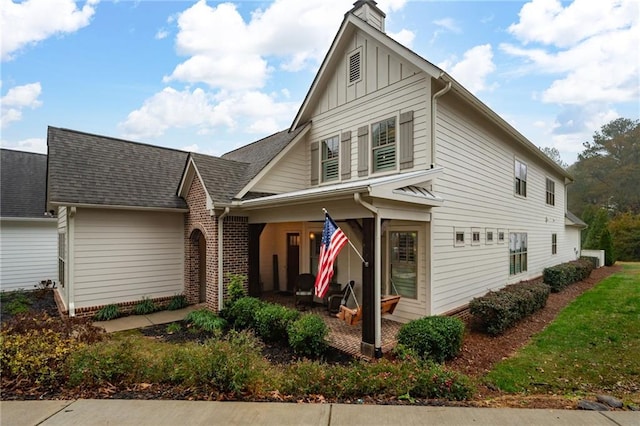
(607, 245)
(560, 276)
(235, 289)
(272, 322)
(205, 320)
(104, 362)
(35, 357)
(496, 311)
(174, 327)
(107, 313)
(16, 302)
(241, 314)
(178, 301)
(307, 335)
(591, 259)
(437, 338)
(145, 307)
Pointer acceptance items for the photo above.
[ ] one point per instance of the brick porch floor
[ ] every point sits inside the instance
(342, 336)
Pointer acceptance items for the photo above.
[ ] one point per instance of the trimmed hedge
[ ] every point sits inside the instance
(272, 322)
(496, 311)
(307, 335)
(560, 276)
(241, 314)
(436, 338)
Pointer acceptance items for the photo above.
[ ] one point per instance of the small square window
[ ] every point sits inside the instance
(489, 237)
(475, 236)
(459, 237)
(500, 236)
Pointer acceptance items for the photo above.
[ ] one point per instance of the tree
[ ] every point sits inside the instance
(625, 232)
(596, 228)
(554, 154)
(607, 245)
(608, 170)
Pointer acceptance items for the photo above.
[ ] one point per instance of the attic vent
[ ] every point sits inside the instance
(354, 67)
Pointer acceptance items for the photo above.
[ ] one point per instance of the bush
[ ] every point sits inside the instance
(307, 335)
(560, 276)
(241, 315)
(145, 307)
(272, 322)
(591, 259)
(16, 302)
(437, 338)
(107, 313)
(496, 311)
(104, 362)
(205, 320)
(235, 289)
(178, 301)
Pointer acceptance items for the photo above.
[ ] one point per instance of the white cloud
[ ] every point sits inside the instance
(17, 99)
(35, 20)
(37, 145)
(178, 109)
(191, 148)
(448, 24)
(161, 34)
(474, 68)
(592, 46)
(391, 5)
(404, 37)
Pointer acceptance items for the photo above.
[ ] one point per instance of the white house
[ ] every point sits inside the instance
(28, 236)
(442, 196)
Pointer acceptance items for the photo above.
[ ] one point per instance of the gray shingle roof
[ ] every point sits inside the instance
(23, 180)
(260, 153)
(92, 169)
(575, 219)
(222, 178)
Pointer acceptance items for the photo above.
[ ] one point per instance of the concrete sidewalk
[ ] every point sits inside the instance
(142, 412)
(138, 321)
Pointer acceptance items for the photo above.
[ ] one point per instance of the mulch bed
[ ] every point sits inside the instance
(479, 354)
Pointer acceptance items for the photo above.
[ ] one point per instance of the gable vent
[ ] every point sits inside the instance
(354, 67)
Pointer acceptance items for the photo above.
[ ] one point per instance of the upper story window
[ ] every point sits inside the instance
(520, 178)
(383, 145)
(551, 192)
(330, 158)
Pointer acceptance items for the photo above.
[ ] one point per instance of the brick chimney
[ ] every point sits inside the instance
(369, 12)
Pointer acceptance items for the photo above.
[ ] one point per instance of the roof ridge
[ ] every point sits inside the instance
(255, 142)
(22, 152)
(113, 138)
(217, 157)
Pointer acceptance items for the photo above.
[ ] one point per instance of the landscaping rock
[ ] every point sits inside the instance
(592, 406)
(610, 401)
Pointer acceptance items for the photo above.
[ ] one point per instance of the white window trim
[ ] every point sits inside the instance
(488, 231)
(474, 232)
(498, 232)
(457, 243)
(554, 245)
(526, 181)
(372, 171)
(321, 177)
(547, 178)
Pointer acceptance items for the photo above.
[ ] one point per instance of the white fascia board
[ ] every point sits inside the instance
(274, 161)
(117, 207)
(29, 219)
(187, 177)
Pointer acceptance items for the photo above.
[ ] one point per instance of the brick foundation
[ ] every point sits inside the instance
(126, 308)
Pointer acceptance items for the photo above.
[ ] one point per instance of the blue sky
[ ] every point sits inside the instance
(212, 76)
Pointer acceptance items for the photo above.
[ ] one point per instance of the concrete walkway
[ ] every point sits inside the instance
(142, 412)
(138, 321)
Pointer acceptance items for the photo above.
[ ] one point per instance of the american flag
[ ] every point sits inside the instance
(333, 239)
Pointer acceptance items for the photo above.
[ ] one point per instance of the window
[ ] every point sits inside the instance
(330, 159)
(384, 145)
(354, 66)
(500, 236)
(551, 192)
(521, 178)
(475, 236)
(315, 240)
(459, 235)
(489, 237)
(554, 243)
(404, 263)
(62, 255)
(517, 252)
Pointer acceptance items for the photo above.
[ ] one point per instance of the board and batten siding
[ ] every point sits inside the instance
(478, 188)
(123, 256)
(28, 253)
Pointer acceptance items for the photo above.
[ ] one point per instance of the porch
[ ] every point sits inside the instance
(342, 336)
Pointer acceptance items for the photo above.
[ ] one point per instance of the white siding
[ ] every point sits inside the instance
(124, 256)
(63, 288)
(478, 188)
(28, 253)
(291, 174)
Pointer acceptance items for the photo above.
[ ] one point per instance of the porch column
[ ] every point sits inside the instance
(255, 229)
(367, 346)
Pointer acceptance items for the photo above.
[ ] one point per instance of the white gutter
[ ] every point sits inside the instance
(434, 109)
(220, 258)
(377, 272)
(70, 261)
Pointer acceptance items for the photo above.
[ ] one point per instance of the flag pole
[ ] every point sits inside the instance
(366, 264)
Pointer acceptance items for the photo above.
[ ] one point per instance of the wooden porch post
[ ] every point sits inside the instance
(255, 229)
(367, 346)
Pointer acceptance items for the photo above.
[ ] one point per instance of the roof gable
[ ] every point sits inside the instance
(90, 169)
(23, 187)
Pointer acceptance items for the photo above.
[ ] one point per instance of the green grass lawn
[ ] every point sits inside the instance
(592, 346)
